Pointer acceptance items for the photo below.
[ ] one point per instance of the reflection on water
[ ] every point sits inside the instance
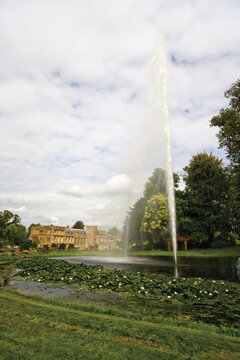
(225, 268)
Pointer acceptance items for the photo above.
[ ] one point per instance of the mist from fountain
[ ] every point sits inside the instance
(152, 145)
(159, 68)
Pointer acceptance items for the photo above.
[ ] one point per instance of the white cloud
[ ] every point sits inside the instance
(73, 94)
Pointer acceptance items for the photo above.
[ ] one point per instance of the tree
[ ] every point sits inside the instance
(113, 231)
(156, 218)
(7, 218)
(16, 234)
(207, 191)
(132, 226)
(155, 184)
(30, 226)
(78, 225)
(12, 232)
(228, 122)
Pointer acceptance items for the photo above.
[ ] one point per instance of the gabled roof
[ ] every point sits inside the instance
(179, 238)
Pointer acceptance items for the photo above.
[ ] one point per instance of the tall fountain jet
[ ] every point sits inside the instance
(158, 69)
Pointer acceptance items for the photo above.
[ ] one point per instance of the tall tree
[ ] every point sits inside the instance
(78, 225)
(228, 122)
(207, 190)
(155, 219)
(114, 231)
(155, 184)
(11, 229)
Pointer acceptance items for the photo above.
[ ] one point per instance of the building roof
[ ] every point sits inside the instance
(179, 238)
(80, 231)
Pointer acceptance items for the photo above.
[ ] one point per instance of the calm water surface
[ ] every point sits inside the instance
(225, 268)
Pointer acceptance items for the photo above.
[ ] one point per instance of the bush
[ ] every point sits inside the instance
(25, 246)
(71, 246)
(45, 247)
(62, 246)
(53, 245)
(219, 244)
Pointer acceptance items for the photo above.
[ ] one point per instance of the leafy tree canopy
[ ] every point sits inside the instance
(78, 225)
(207, 190)
(113, 231)
(156, 214)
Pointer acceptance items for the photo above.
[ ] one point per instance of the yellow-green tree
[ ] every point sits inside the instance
(156, 218)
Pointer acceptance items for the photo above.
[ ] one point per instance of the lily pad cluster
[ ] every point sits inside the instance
(96, 278)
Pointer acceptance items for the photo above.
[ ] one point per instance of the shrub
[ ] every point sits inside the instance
(45, 247)
(53, 245)
(71, 246)
(219, 244)
(62, 246)
(25, 246)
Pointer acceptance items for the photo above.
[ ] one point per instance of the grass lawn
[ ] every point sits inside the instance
(231, 251)
(225, 252)
(32, 328)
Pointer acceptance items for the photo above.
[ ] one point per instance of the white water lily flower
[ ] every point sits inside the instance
(214, 281)
(62, 278)
(29, 274)
(142, 288)
(222, 282)
(70, 278)
(175, 292)
(100, 286)
(169, 297)
(226, 290)
(169, 282)
(92, 287)
(210, 294)
(194, 296)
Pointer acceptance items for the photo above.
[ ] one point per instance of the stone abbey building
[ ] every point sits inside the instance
(91, 238)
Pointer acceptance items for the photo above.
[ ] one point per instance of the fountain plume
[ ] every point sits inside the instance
(159, 69)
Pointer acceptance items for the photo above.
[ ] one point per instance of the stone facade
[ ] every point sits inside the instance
(91, 238)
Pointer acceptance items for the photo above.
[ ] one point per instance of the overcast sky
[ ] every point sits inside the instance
(74, 139)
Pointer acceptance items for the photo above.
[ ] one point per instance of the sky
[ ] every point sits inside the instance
(76, 132)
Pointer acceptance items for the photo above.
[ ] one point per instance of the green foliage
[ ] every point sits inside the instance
(12, 232)
(155, 184)
(71, 246)
(113, 231)
(78, 225)
(213, 297)
(62, 246)
(207, 191)
(30, 226)
(54, 245)
(27, 245)
(156, 217)
(228, 122)
(16, 234)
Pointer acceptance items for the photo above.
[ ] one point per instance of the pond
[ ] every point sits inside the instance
(224, 268)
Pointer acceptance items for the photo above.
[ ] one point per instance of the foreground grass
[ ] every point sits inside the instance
(35, 329)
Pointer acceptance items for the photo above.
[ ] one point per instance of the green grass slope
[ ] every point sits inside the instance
(36, 329)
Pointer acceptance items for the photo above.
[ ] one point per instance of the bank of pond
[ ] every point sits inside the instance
(211, 301)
